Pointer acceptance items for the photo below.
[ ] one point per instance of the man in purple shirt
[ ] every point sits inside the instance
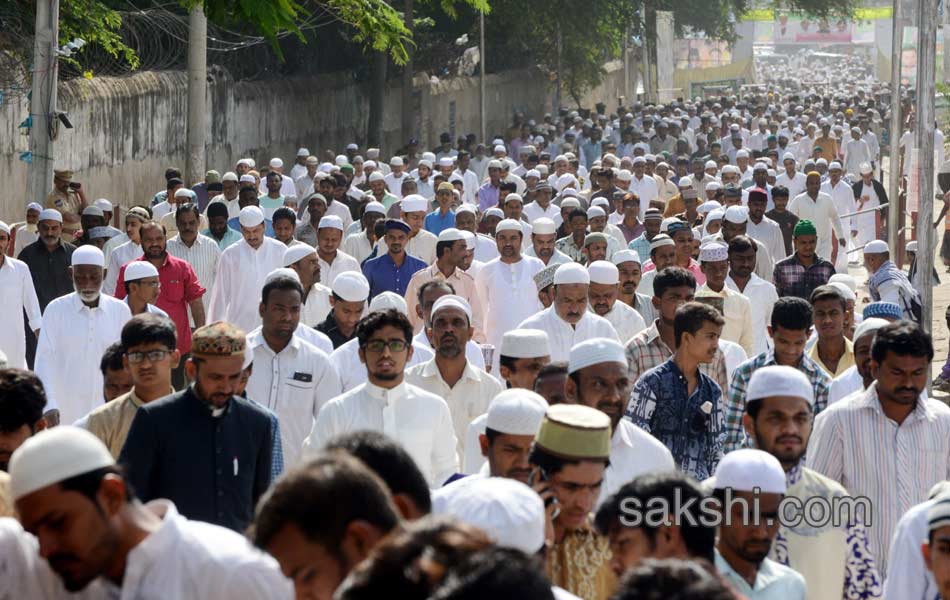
(488, 193)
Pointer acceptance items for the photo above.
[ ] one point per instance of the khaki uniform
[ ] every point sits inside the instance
(69, 205)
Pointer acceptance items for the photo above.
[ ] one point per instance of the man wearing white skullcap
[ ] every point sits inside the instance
(842, 196)
(48, 258)
(241, 272)
(291, 377)
(744, 541)
(817, 206)
(350, 291)
(466, 388)
(910, 575)
(543, 238)
(629, 272)
(333, 261)
(603, 294)
(735, 223)
(887, 283)
(598, 377)
(302, 258)
(858, 377)
(39, 489)
(735, 308)
(17, 295)
(361, 236)
(643, 185)
(77, 329)
(141, 285)
(568, 321)
(662, 255)
(778, 420)
(421, 244)
(396, 176)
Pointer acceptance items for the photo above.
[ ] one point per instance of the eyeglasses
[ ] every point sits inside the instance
(151, 283)
(378, 346)
(152, 356)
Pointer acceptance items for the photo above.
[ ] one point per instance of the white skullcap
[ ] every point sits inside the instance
(835, 165)
(622, 256)
(525, 343)
(369, 164)
(713, 252)
(639, 160)
(865, 168)
(497, 142)
(376, 176)
(624, 175)
(450, 234)
(869, 325)
(570, 203)
(446, 161)
(281, 272)
(513, 197)
(595, 211)
(708, 206)
(251, 216)
(565, 181)
(39, 461)
(375, 207)
(248, 178)
(770, 172)
(466, 208)
(603, 272)
(737, 214)
(230, 176)
(507, 225)
(846, 279)
(710, 164)
(665, 225)
(508, 511)
(303, 152)
(94, 211)
(499, 148)
(730, 169)
(297, 252)
(331, 222)
(911, 246)
(276, 163)
(352, 146)
(532, 173)
(715, 215)
(571, 273)
(4, 228)
(247, 162)
(452, 301)
(661, 240)
(938, 515)
(543, 226)
(351, 286)
(51, 214)
(594, 352)
(649, 157)
(425, 163)
(777, 380)
(34, 206)
(788, 156)
(516, 411)
(822, 161)
(104, 205)
(742, 154)
(372, 152)
(876, 247)
(494, 164)
(493, 212)
(139, 269)
(388, 300)
(747, 469)
(844, 289)
(469, 239)
(396, 161)
(183, 193)
(414, 203)
(88, 255)
(712, 186)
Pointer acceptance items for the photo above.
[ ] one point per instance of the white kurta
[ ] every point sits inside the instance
(845, 384)
(16, 295)
(508, 296)
(823, 214)
(342, 262)
(352, 371)
(795, 185)
(856, 151)
(473, 352)
(646, 189)
(562, 336)
(295, 384)
(236, 293)
(71, 344)
(762, 296)
(125, 253)
(357, 245)
(419, 421)
(626, 321)
(633, 452)
(25, 237)
(485, 248)
(737, 312)
(866, 223)
(315, 310)
(769, 233)
(203, 256)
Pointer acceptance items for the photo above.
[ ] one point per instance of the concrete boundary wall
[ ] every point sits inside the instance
(129, 129)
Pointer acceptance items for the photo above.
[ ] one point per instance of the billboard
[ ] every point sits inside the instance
(798, 29)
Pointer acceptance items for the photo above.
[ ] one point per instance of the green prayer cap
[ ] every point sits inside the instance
(575, 432)
(804, 227)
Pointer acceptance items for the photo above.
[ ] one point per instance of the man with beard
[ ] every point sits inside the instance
(392, 271)
(22, 403)
(48, 259)
(887, 283)
(218, 228)
(629, 273)
(465, 388)
(359, 244)
(200, 251)
(568, 321)
(761, 293)
(94, 537)
(888, 425)
(543, 238)
(833, 557)
(179, 291)
(735, 308)
(603, 294)
(291, 377)
(316, 297)
(18, 297)
(750, 486)
(77, 329)
(204, 448)
(818, 208)
(597, 377)
(679, 402)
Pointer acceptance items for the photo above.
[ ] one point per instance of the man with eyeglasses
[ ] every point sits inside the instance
(418, 420)
(150, 355)
(142, 286)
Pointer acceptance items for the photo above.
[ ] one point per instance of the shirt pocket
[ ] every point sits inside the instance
(173, 291)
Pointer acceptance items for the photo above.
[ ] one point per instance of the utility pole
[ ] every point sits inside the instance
(197, 95)
(946, 37)
(926, 99)
(43, 99)
(481, 75)
(408, 74)
(895, 211)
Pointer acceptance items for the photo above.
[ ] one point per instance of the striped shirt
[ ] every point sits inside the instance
(892, 465)
(203, 257)
(735, 401)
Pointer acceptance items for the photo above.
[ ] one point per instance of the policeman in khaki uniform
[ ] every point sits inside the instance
(67, 197)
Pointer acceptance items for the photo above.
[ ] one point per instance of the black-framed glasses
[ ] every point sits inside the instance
(379, 346)
(152, 356)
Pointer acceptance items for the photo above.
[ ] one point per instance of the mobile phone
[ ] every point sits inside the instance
(74, 185)
(540, 474)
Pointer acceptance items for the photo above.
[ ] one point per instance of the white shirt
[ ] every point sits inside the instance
(234, 209)
(823, 214)
(16, 295)
(473, 352)
(203, 257)
(181, 559)
(237, 287)
(122, 255)
(646, 189)
(563, 336)
(908, 577)
(287, 187)
(314, 338)
(317, 306)
(342, 262)
(468, 399)
(70, 347)
(762, 296)
(894, 466)
(795, 185)
(352, 371)
(395, 183)
(843, 197)
(626, 321)
(295, 384)
(473, 461)
(469, 185)
(25, 237)
(633, 452)
(856, 151)
(737, 312)
(508, 296)
(769, 233)
(161, 209)
(357, 245)
(418, 420)
(845, 384)
(486, 248)
(533, 211)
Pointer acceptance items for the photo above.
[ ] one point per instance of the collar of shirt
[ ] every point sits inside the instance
(256, 340)
(431, 369)
(80, 306)
(869, 399)
(155, 547)
(387, 395)
(764, 577)
(652, 333)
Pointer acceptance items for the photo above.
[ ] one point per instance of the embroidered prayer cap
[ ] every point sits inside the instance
(713, 252)
(603, 272)
(778, 380)
(594, 352)
(545, 277)
(102, 232)
(623, 256)
(876, 247)
(51, 214)
(351, 286)
(525, 343)
(884, 310)
(88, 255)
(445, 186)
(653, 214)
(570, 274)
(139, 269)
(54, 455)
(804, 227)
(661, 240)
(218, 339)
(749, 470)
(575, 432)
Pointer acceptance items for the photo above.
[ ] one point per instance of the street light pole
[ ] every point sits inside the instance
(197, 95)
(895, 210)
(481, 75)
(43, 99)
(926, 120)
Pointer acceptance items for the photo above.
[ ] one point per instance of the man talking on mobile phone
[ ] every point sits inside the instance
(68, 198)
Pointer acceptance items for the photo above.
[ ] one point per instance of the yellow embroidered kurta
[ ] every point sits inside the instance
(580, 563)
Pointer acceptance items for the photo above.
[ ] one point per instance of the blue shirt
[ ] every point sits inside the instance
(384, 276)
(230, 237)
(642, 245)
(235, 224)
(661, 404)
(435, 222)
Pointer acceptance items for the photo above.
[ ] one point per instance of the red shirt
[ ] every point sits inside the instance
(180, 287)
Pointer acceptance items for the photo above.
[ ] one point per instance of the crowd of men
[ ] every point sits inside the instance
(468, 371)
